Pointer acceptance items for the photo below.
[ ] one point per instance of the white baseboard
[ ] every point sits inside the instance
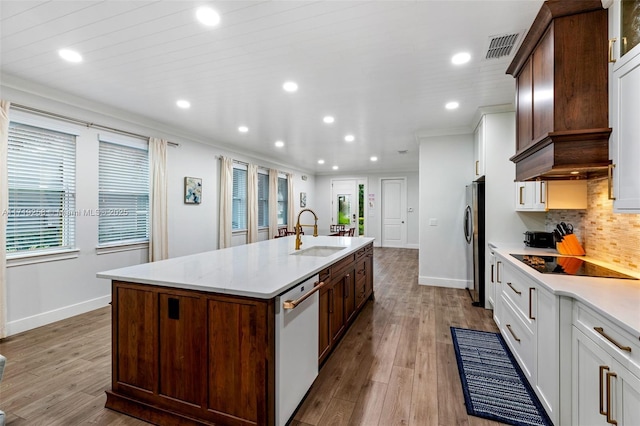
(413, 246)
(442, 282)
(35, 321)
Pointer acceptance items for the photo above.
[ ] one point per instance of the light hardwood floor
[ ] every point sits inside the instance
(394, 366)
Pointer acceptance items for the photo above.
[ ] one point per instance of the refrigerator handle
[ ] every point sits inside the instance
(468, 224)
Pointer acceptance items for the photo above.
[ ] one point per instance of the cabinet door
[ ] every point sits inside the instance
(336, 301)
(524, 99)
(492, 279)
(349, 280)
(479, 149)
(497, 309)
(544, 313)
(524, 197)
(183, 328)
(369, 272)
(324, 335)
(539, 195)
(625, 104)
(588, 376)
(626, 397)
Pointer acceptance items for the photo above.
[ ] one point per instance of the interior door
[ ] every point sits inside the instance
(394, 207)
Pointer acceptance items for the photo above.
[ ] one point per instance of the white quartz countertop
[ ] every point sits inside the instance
(261, 270)
(616, 299)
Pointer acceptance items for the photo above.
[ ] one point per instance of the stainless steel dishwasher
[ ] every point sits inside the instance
(297, 313)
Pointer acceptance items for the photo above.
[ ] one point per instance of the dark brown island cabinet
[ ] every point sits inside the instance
(185, 357)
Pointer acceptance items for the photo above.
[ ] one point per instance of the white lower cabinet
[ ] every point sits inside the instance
(605, 373)
(527, 315)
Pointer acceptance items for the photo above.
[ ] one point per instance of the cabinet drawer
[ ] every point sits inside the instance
(619, 343)
(517, 289)
(324, 275)
(518, 337)
(342, 263)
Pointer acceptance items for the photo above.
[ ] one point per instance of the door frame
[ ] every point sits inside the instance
(404, 213)
(357, 181)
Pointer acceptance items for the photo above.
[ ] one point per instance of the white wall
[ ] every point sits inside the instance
(41, 293)
(445, 170)
(503, 224)
(373, 226)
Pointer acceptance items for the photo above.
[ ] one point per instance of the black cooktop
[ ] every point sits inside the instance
(568, 265)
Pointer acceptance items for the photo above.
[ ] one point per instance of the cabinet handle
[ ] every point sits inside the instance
(514, 289)
(477, 164)
(610, 419)
(492, 273)
(602, 369)
(611, 339)
(612, 60)
(291, 304)
(512, 333)
(521, 195)
(610, 181)
(498, 272)
(542, 201)
(530, 299)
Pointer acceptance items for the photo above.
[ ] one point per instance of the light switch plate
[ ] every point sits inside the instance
(433, 222)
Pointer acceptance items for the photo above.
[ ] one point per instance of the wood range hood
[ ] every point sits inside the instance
(561, 72)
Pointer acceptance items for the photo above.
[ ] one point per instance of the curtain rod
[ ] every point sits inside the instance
(84, 123)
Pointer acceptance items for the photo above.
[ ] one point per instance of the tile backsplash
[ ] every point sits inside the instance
(607, 236)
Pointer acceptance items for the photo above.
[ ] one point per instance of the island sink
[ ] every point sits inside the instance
(318, 251)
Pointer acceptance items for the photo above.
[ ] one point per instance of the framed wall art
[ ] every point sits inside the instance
(192, 190)
(303, 199)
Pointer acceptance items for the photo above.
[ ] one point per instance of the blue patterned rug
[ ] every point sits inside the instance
(494, 386)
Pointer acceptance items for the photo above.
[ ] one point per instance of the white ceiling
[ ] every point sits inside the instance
(381, 68)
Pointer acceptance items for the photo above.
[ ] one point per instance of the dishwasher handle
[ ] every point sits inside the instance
(291, 304)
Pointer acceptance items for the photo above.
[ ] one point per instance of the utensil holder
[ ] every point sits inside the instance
(570, 246)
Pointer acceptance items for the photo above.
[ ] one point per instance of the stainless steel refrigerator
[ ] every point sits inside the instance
(474, 234)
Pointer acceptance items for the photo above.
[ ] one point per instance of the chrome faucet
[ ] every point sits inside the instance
(299, 227)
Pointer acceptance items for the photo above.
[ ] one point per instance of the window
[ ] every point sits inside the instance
(263, 199)
(41, 168)
(123, 175)
(283, 197)
(239, 209)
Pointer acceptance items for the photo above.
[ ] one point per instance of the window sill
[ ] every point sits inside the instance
(121, 247)
(50, 256)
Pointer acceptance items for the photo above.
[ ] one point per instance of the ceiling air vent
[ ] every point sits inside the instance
(501, 46)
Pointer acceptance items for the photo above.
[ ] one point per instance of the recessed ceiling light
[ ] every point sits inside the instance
(207, 16)
(460, 58)
(328, 119)
(452, 105)
(70, 55)
(243, 129)
(349, 138)
(374, 158)
(290, 86)
(183, 104)
(320, 161)
(335, 167)
(279, 144)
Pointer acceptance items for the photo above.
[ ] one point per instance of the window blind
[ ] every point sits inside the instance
(263, 199)
(41, 168)
(283, 196)
(123, 194)
(239, 208)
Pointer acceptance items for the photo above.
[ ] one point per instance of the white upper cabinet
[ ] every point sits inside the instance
(479, 149)
(624, 105)
(540, 196)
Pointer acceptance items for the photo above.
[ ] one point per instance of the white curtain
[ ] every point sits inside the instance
(4, 205)
(225, 202)
(291, 205)
(273, 203)
(252, 203)
(158, 237)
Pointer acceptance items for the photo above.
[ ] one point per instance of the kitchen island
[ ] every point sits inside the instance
(194, 338)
